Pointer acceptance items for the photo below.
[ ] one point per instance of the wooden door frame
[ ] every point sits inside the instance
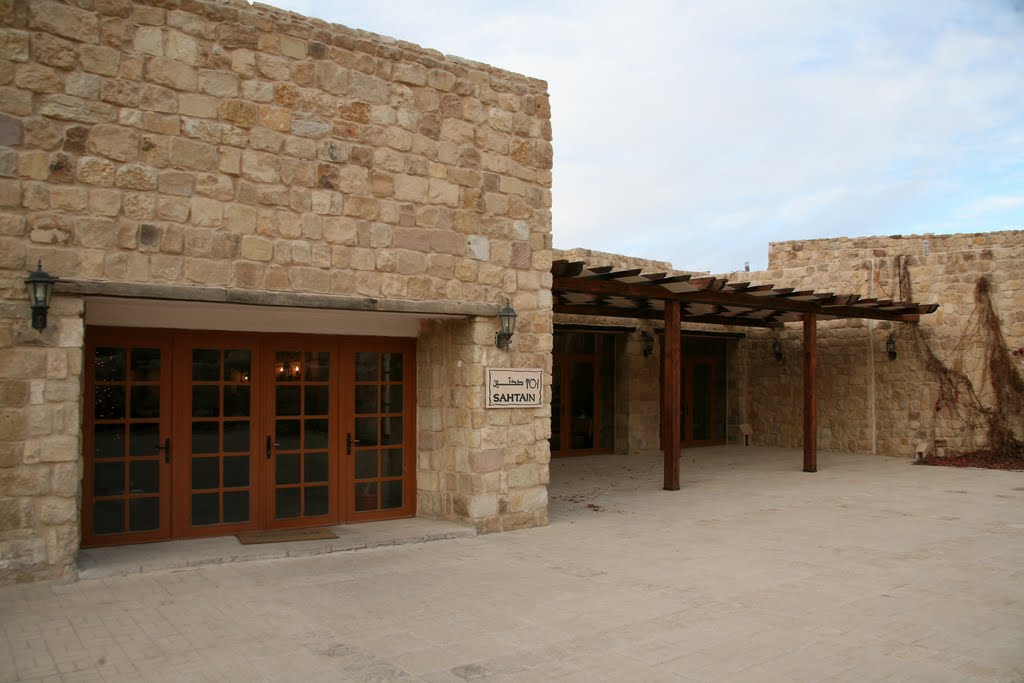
(129, 338)
(349, 346)
(565, 361)
(293, 342)
(183, 342)
(175, 345)
(686, 370)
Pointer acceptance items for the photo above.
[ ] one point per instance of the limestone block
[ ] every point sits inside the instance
(70, 108)
(239, 112)
(64, 20)
(260, 167)
(172, 74)
(206, 212)
(99, 59)
(96, 171)
(193, 154)
(257, 248)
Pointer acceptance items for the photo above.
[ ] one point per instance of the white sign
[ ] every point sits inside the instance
(508, 388)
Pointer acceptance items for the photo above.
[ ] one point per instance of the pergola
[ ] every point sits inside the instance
(582, 289)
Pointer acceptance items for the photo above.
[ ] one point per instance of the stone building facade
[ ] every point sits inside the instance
(219, 167)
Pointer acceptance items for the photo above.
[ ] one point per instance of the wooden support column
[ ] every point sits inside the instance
(671, 395)
(810, 392)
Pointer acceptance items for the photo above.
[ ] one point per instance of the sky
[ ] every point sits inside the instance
(699, 131)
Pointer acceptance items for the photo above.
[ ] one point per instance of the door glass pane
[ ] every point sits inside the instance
(315, 436)
(205, 473)
(108, 441)
(144, 514)
(391, 367)
(366, 431)
(236, 506)
(391, 398)
(366, 464)
(366, 496)
(108, 479)
(316, 502)
(109, 364)
(237, 401)
(145, 365)
(318, 366)
(144, 476)
(288, 469)
(317, 400)
(108, 516)
(286, 503)
(315, 467)
(288, 435)
(205, 508)
(288, 366)
(390, 431)
(145, 402)
(236, 471)
(205, 437)
(109, 403)
(205, 401)
(145, 438)
(390, 494)
(581, 381)
(205, 365)
(236, 437)
(288, 401)
(366, 366)
(237, 365)
(366, 399)
(391, 463)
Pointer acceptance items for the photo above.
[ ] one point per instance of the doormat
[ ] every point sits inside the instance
(284, 536)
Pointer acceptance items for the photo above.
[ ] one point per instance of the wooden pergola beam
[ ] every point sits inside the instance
(654, 290)
(656, 314)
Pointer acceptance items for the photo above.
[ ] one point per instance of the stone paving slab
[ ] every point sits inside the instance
(871, 569)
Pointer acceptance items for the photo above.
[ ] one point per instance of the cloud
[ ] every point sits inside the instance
(697, 132)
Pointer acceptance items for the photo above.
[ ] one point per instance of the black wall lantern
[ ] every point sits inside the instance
(890, 347)
(507, 318)
(648, 343)
(777, 349)
(40, 286)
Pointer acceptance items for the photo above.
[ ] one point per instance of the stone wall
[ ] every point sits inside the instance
(868, 403)
(222, 144)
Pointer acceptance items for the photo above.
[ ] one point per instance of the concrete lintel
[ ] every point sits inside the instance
(140, 290)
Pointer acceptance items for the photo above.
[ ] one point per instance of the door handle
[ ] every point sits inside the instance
(166, 448)
(271, 446)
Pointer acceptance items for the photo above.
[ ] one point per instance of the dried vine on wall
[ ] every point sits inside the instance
(1003, 422)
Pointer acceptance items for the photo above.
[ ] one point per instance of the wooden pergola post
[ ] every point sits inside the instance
(810, 392)
(671, 395)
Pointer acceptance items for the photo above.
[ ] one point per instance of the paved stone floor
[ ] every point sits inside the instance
(872, 569)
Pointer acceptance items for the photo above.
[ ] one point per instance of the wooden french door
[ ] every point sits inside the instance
(700, 401)
(582, 394)
(301, 448)
(191, 434)
(126, 439)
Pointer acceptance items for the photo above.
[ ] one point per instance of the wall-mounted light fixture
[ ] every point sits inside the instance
(40, 286)
(507, 319)
(890, 347)
(648, 343)
(777, 349)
